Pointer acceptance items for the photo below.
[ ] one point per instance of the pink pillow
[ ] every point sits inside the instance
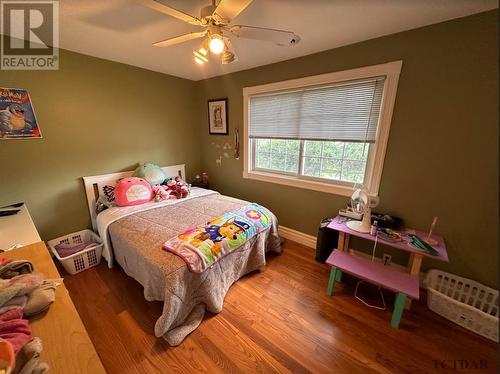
(132, 191)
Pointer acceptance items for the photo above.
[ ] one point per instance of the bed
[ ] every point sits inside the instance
(133, 238)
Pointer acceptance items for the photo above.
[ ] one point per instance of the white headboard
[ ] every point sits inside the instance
(94, 185)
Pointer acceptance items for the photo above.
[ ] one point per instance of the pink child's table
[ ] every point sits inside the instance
(403, 283)
(416, 255)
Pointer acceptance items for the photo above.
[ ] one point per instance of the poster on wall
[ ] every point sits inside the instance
(17, 117)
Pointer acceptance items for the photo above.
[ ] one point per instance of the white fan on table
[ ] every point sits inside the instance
(362, 202)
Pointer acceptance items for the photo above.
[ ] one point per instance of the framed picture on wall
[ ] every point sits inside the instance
(217, 117)
(17, 116)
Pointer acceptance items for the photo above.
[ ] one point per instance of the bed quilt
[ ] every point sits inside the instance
(137, 240)
(202, 246)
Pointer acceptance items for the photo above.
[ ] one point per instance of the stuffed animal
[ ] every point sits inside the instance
(161, 193)
(170, 185)
(109, 193)
(132, 191)
(182, 187)
(102, 204)
(177, 187)
(150, 172)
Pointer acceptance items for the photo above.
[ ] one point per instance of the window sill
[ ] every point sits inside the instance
(293, 181)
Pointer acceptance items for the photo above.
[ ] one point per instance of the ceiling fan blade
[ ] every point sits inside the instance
(152, 4)
(180, 39)
(279, 37)
(227, 10)
(229, 55)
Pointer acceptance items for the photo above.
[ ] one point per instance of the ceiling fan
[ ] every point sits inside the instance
(216, 19)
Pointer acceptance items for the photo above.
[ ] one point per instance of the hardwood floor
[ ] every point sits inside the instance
(276, 320)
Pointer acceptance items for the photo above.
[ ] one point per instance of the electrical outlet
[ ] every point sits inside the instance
(386, 259)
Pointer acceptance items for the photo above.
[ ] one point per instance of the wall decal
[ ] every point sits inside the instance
(223, 152)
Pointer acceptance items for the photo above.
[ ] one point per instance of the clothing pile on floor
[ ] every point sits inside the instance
(65, 250)
(23, 293)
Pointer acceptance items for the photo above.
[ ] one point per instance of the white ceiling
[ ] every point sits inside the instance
(123, 30)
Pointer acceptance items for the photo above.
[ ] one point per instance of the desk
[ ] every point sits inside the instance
(416, 255)
(66, 346)
(403, 283)
(18, 229)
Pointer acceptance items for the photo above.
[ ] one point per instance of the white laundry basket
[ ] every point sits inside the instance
(463, 301)
(82, 260)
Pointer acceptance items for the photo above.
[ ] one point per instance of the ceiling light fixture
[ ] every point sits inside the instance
(216, 44)
(203, 51)
(201, 55)
(227, 57)
(217, 28)
(204, 48)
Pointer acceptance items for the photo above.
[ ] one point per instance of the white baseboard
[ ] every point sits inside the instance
(297, 236)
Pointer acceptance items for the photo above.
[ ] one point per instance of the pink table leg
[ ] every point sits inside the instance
(340, 245)
(414, 265)
(343, 243)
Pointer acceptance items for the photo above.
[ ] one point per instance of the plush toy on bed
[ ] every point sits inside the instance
(151, 173)
(161, 193)
(177, 187)
(170, 185)
(182, 186)
(132, 191)
(106, 200)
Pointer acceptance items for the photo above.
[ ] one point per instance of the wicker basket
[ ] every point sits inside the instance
(463, 301)
(82, 260)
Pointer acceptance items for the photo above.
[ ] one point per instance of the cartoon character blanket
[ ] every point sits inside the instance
(201, 246)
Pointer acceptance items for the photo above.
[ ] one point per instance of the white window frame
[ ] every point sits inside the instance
(375, 162)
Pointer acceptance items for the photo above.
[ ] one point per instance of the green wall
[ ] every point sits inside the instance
(442, 156)
(99, 117)
(96, 117)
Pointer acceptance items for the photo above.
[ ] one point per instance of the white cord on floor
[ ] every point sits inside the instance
(367, 304)
(379, 289)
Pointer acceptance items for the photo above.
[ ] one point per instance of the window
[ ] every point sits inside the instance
(325, 133)
(338, 161)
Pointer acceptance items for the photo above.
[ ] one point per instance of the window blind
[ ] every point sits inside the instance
(347, 111)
